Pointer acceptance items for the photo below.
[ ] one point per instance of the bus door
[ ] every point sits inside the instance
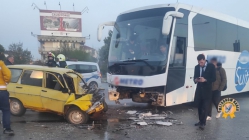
(175, 88)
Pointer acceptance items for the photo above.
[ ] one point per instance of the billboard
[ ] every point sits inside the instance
(60, 23)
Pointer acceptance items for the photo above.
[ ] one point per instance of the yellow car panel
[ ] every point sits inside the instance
(53, 100)
(84, 102)
(29, 95)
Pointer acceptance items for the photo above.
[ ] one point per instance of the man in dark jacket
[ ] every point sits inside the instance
(51, 60)
(218, 86)
(9, 60)
(204, 76)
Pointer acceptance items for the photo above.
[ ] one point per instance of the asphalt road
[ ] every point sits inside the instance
(115, 124)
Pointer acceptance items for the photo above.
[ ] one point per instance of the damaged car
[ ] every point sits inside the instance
(55, 90)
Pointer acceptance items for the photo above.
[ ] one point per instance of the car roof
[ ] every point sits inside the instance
(42, 68)
(81, 62)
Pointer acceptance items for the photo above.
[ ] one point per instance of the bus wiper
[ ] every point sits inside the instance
(120, 63)
(140, 60)
(135, 60)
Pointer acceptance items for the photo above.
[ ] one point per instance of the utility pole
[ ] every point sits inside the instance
(45, 5)
(60, 5)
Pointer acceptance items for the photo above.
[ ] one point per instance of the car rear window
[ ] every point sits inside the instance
(15, 75)
(87, 68)
(73, 67)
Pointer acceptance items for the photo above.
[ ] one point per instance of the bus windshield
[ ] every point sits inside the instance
(139, 38)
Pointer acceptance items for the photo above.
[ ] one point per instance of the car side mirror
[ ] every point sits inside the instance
(64, 90)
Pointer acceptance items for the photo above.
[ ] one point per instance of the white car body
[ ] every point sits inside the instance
(89, 70)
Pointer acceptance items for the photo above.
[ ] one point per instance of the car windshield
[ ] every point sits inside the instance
(139, 37)
(74, 80)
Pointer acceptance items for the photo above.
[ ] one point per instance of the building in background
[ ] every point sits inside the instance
(54, 43)
(90, 50)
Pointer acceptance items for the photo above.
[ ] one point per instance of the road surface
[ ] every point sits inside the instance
(115, 125)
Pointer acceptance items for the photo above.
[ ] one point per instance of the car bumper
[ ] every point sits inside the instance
(97, 105)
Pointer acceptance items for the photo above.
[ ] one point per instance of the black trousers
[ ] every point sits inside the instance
(5, 108)
(203, 106)
(215, 100)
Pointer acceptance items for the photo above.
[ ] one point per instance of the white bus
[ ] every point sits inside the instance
(147, 76)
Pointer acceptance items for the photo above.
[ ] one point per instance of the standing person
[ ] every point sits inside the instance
(218, 86)
(51, 60)
(204, 76)
(9, 60)
(62, 61)
(5, 76)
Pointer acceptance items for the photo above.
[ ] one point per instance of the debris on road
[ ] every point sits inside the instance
(155, 118)
(170, 112)
(164, 123)
(142, 123)
(152, 119)
(131, 112)
(142, 115)
(91, 127)
(132, 118)
(179, 123)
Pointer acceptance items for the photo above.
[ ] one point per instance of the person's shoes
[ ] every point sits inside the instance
(8, 131)
(209, 118)
(202, 127)
(218, 115)
(198, 124)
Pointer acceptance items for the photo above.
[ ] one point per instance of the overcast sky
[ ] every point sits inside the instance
(18, 18)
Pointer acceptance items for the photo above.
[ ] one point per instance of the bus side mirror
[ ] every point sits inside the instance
(167, 21)
(101, 27)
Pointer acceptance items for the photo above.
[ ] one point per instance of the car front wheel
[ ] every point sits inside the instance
(76, 116)
(17, 108)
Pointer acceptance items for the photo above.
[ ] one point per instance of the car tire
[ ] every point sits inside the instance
(17, 108)
(76, 116)
(105, 107)
(91, 84)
